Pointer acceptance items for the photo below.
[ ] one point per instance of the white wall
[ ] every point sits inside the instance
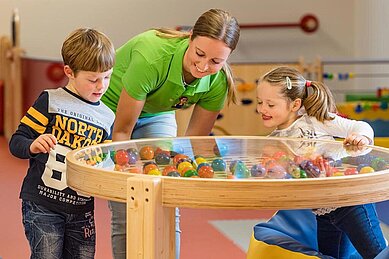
(348, 29)
(45, 23)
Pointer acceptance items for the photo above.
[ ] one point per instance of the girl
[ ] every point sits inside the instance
(296, 107)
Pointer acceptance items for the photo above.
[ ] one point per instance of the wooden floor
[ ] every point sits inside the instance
(199, 238)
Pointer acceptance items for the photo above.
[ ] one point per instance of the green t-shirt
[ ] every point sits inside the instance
(150, 68)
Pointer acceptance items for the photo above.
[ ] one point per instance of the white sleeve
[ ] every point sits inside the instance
(342, 127)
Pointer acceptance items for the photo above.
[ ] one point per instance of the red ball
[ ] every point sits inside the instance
(169, 169)
(351, 171)
(206, 171)
(121, 157)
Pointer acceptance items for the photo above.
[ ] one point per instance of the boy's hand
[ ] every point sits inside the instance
(356, 140)
(43, 144)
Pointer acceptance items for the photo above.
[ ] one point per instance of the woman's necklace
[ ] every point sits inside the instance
(191, 78)
(183, 81)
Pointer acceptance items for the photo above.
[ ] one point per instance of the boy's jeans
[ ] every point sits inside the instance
(359, 224)
(53, 235)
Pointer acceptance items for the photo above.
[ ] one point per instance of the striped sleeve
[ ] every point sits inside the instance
(33, 124)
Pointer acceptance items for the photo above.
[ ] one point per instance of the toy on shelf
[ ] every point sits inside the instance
(373, 112)
(351, 75)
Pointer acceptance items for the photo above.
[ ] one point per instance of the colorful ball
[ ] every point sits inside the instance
(351, 171)
(206, 172)
(295, 171)
(258, 170)
(378, 164)
(174, 174)
(199, 160)
(162, 158)
(183, 165)
(190, 173)
(169, 169)
(154, 172)
(149, 167)
(277, 172)
(219, 165)
(132, 158)
(366, 170)
(121, 157)
(233, 165)
(202, 164)
(146, 153)
(241, 170)
(134, 152)
(178, 157)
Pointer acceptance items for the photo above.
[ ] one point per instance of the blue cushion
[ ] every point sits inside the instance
(295, 230)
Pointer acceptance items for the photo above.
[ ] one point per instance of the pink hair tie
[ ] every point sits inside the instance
(308, 83)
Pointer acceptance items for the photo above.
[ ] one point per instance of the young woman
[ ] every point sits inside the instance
(160, 71)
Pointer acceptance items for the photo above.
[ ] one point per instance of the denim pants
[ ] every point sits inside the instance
(54, 235)
(358, 224)
(150, 127)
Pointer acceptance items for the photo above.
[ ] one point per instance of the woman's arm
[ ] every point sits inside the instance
(201, 122)
(127, 114)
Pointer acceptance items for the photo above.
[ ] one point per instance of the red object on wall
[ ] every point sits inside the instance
(38, 75)
(1, 107)
(55, 72)
(309, 23)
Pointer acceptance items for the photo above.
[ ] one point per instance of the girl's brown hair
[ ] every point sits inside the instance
(318, 103)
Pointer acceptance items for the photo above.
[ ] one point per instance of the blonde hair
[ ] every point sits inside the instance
(87, 49)
(318, 103)
(216, 24)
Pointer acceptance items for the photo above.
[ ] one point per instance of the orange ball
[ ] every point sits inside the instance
(178, 157)
(146, 153)
(206, 171)
(168, 169)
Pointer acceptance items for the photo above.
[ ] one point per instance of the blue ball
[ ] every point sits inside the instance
(219, 165)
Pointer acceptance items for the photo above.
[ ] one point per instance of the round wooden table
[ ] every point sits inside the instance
(151, 199)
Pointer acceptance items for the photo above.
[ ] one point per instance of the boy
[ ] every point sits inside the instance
(58, 221)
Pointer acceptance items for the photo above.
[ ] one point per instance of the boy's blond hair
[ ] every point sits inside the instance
(87, 49)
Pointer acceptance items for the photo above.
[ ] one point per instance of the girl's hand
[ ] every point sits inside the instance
(43, 144)
(356, 140)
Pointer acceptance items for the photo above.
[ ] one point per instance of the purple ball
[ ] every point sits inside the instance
(258, 170)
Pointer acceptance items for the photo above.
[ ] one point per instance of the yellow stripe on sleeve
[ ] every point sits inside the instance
(38, 116)
(38, 128)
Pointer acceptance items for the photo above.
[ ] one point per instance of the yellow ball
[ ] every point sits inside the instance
(366, 170)
(154, 172)
(338, 173)
(184, 165)
(199, 160)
